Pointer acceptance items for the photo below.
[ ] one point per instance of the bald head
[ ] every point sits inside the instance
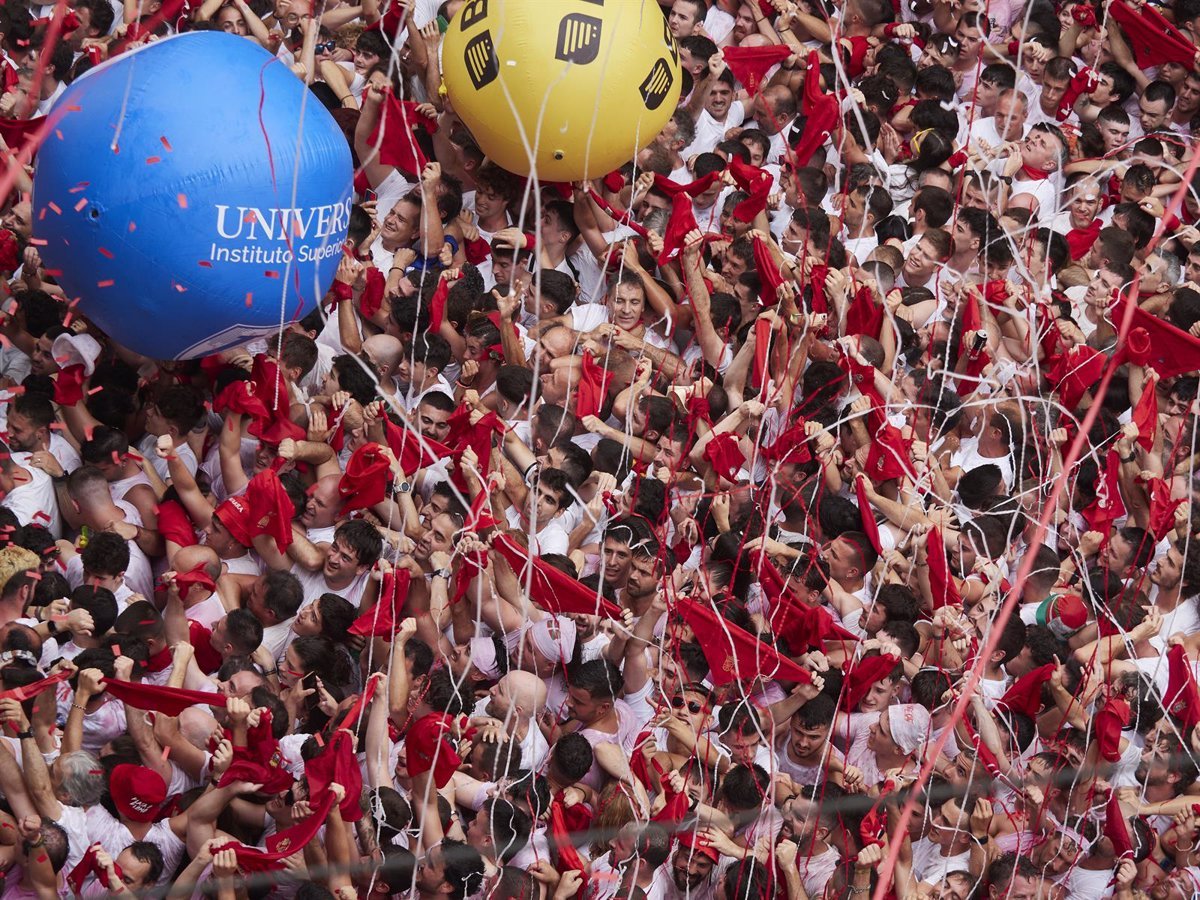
(385, 352)
(526, 692)
(324, 503)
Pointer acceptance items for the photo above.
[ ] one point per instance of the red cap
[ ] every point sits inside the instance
(137, 792)
(694, 842)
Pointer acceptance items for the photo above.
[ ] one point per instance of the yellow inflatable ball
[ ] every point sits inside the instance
(561, 89)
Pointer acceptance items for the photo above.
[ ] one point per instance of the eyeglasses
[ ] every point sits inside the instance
(692, 705)
(326, 47)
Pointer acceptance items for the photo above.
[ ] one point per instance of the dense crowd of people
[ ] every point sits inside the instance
(802, 510)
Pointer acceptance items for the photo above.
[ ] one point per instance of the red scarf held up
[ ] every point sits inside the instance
(941, 582)
(89, 865)
(398, 120)
(1162, 507)
(337, 764)
(862, 675)
(870, 526)
(167, 700)
(1172, 351)
(551, 588)
(733, 653)
(750, 65)
(282, 844)
(1153, 39)
(1145, 417)
(754, 181)
(1108, 724)
(769, 275)
(864, 316)
(381, 621)
(821, 111)
(1182, 699)
(1108, 505)
(725, 456)
(365, 480)
(594, 380)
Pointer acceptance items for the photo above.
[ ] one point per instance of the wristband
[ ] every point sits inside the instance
(24, 735)
(341, 290)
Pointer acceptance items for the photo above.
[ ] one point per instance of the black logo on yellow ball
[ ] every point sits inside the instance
(657, 84)
(578, 38)
(473, 12)
(480, 59)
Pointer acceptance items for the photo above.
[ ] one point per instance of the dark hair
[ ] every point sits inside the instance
(182, 406)
(599, 677)
(745, 787)
(463, 868)
(283, 595)
(106, 554)
(573, 756)
(363, 539)
(243, 631)
(354, 379)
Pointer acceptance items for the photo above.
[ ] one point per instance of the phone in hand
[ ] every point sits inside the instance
(369, 196)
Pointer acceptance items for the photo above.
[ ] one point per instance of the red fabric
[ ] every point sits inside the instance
(560, 842)
(750, 65)
(1137, 347)
(168, 700)
(19, 132)
(1173, 351)
(861, 675)
(1152, 38)
(411, 450)
(271, 388)
(1080, 240)
(790, 447)
(1162, 507)
(1025, 696)
(90, 866)
(1108, 505)
(733, 653)
(1075, 373)
(725, 456)
(856, 55)
(260, 761)
(864, 316)
(691, 189)
(271, 509)
(29, 691)
(862, 376)
(371, 300)
(800, 626)
(755, 182)
(478, 437)
(873, 828)
(399, 147)
(614, 181)
(941, 582)
(1145, 417)
(594, 380)
(207, 659)
(679, 226)
(890, 455)
(476, 252)
(870, 526)
(821, 111)
(241, 398)
(196, 577)
(174, 524)
(426, 748)
(10, 251)
(437, 305)
(337, 764)
(1083, 82)
(551, 588)
(381, 620)
(816, 281)
(1108, 722)
(769, 275)
(365, 480)
(1116, 827)
(282, 844)
(762, 353)
(68, 386)
(1183, 698)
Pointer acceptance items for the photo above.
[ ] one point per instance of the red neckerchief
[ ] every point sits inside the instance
(1034, 174)
(159, 661)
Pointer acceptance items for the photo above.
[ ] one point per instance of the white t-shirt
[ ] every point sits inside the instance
(34, 503)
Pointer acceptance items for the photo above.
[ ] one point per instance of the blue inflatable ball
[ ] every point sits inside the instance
(193, 195)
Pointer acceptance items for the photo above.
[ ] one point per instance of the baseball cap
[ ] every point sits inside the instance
(137, 792)
(698, 845)
(1063, 614)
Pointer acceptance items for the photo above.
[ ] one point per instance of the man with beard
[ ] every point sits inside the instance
(693, 865)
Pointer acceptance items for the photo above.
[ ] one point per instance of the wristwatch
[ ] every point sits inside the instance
(442, 573)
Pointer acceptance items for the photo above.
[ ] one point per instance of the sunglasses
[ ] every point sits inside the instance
(326, 47)
(692, 705)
